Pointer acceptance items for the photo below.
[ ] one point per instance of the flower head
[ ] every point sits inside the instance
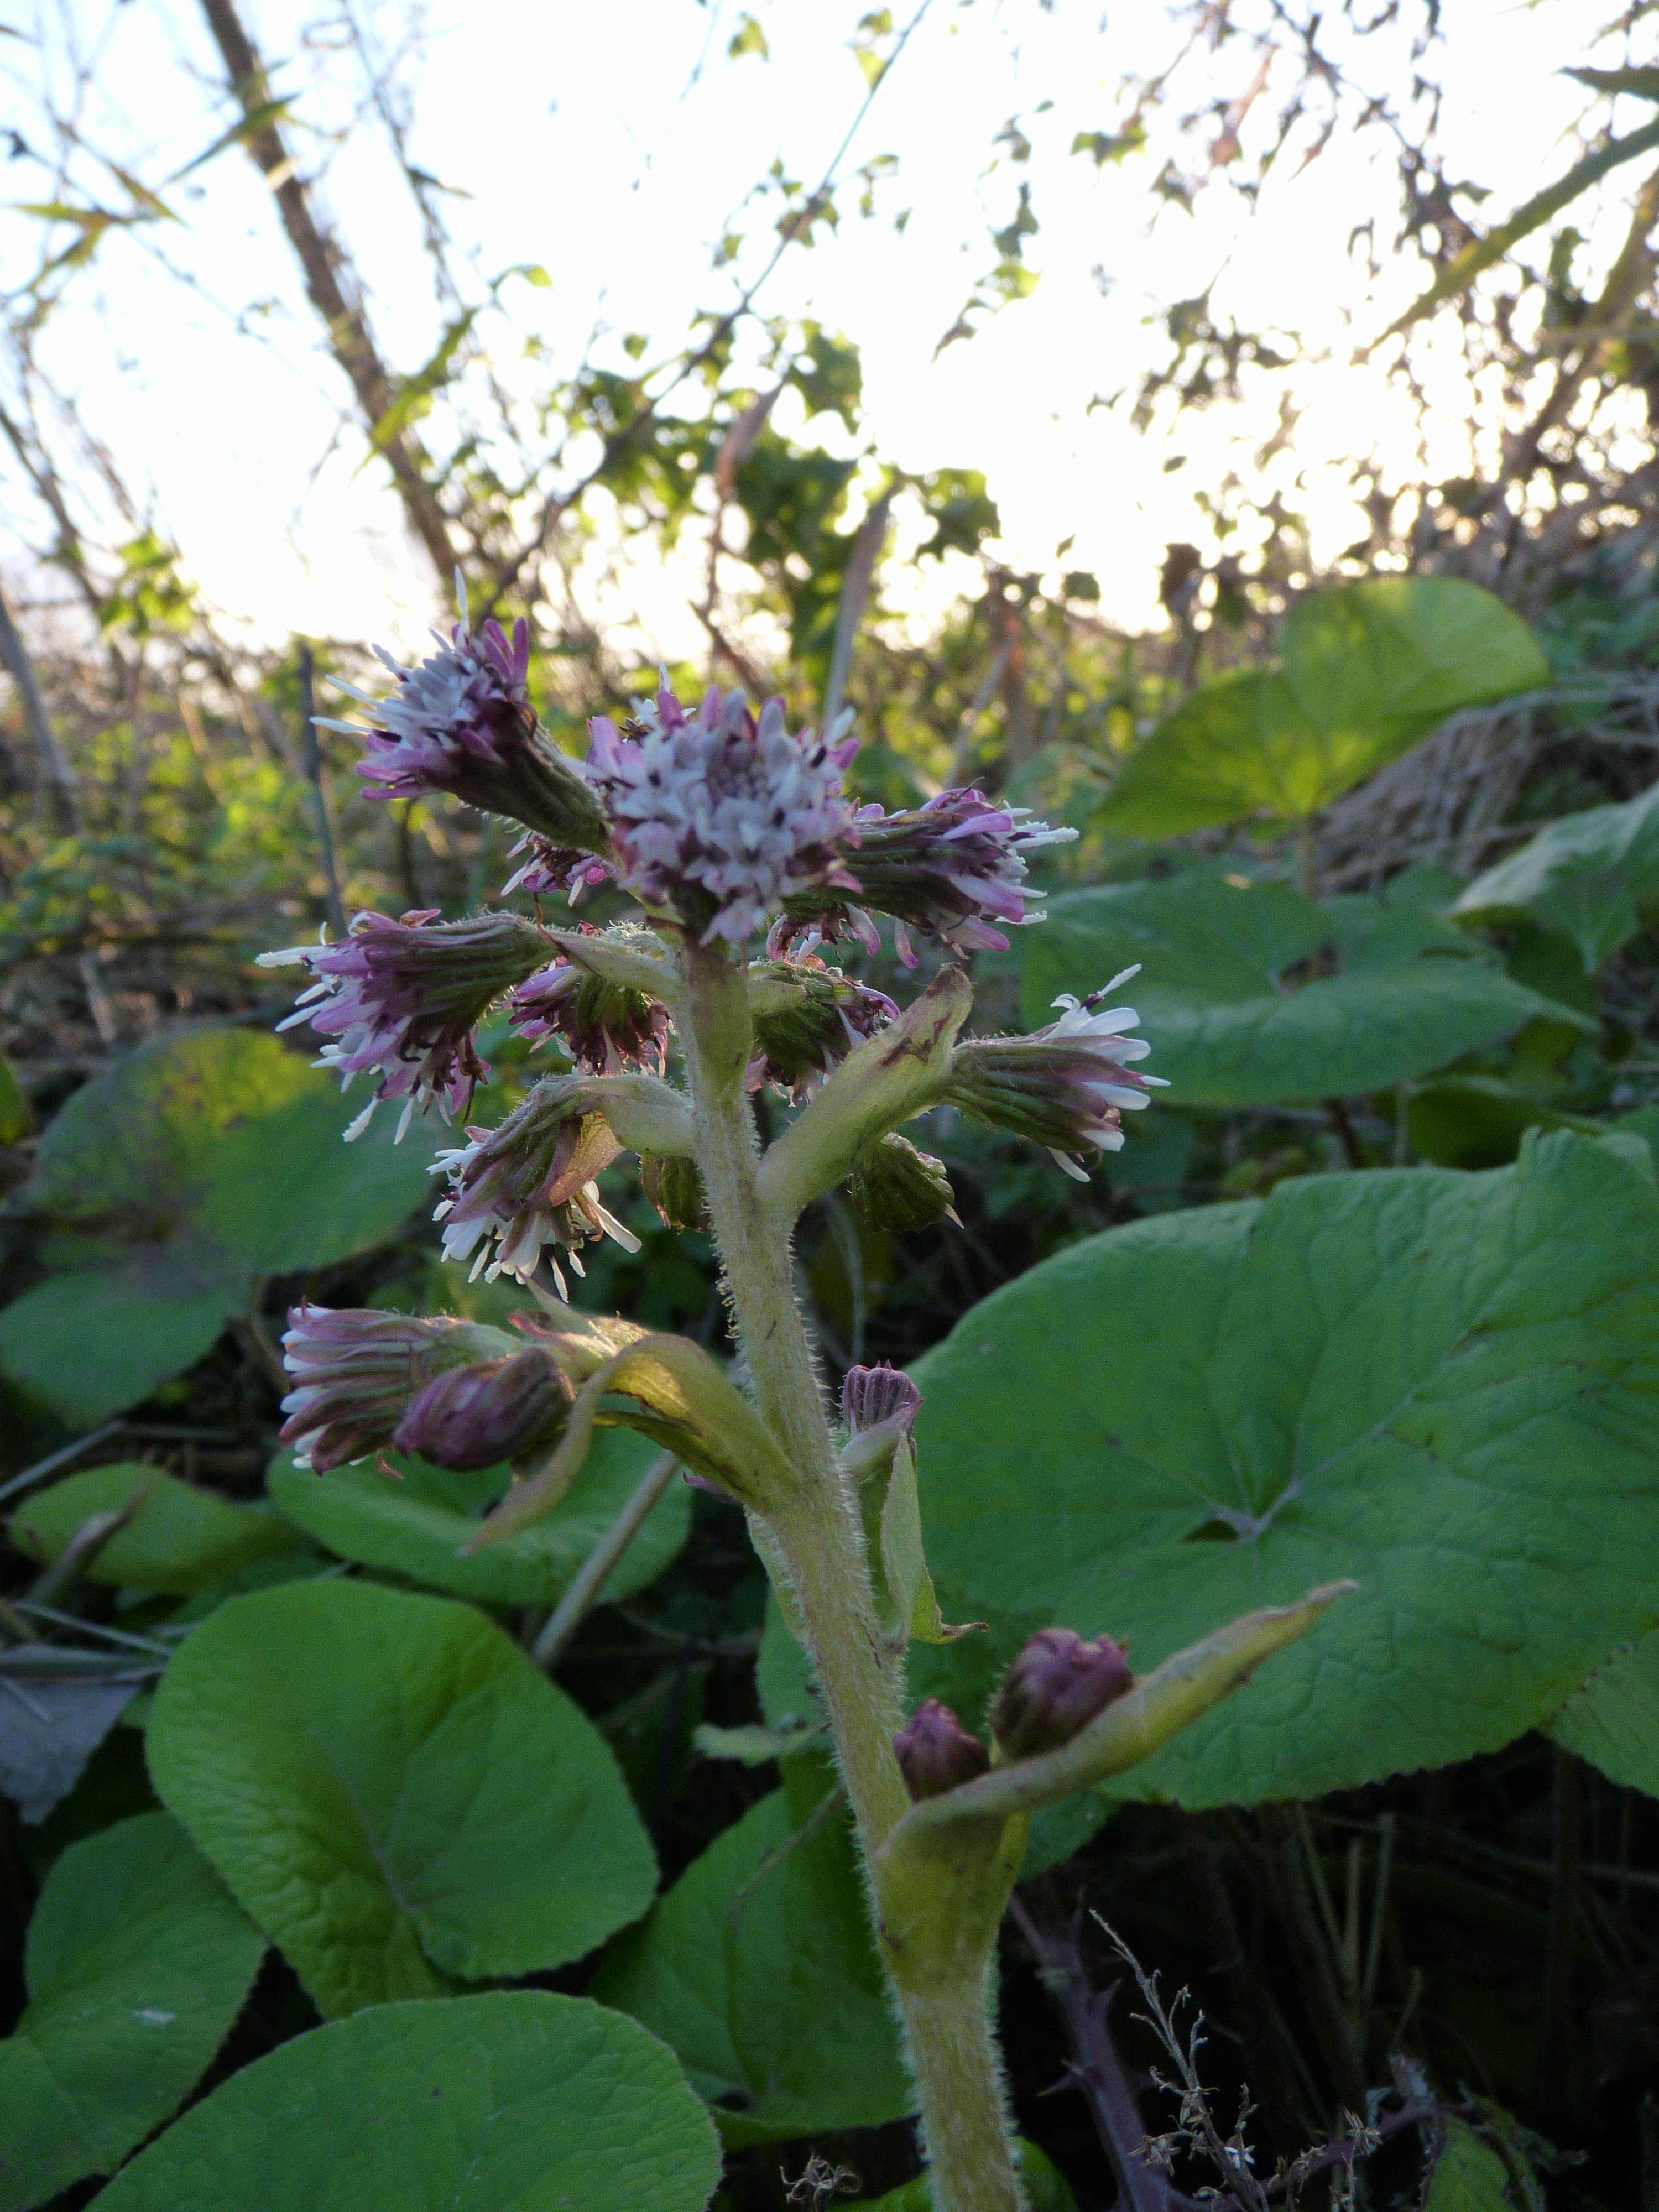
(403, 998)
(461, 723)
(478, 1416)
(872, 1396)
(1065, 1086)
(1055, 1685)
(604, 1027)
(355, 1372)
(808, 1018)
(529, 1185)
(717, 815)
(552, 868)
(954, 869)
(894, 1186)
(936, 1753)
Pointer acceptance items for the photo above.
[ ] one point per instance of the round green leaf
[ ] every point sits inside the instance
(1589, 876)
(1613, 1720)
(394, 1792)
(137, 1965)
(1444, 1385)
(179, 1540)
(1237, 994)
(147, 1320)
(417, 1525)
(517, 2099)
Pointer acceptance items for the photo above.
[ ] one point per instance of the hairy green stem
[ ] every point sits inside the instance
(959, 2079)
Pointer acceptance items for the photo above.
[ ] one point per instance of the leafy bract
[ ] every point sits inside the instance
(1365, 670)
(1441, 1385)
(1613, 1720)
(196, 1164)
(1593, 877)
(417, 1525)
(137, 1964)
(1242, 997)
(758, 1967)
(517, 2098)
(394, 1792)
(179, 1540)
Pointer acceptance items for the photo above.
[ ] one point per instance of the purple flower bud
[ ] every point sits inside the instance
(405, 996)
(475, 1417)
(954, 869)
(530, 1185)
(894, 1186)
(674, 1187)
(1055, 1685)
(461, 723)
(604, 1027)
(552, 868)
(872, 1396)
(356, 1373)
(719, 817)
(1065, 1086)
(936, 1753)
(808, 1018)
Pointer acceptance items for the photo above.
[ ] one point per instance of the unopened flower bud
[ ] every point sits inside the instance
(872, 1396)
(1055, 1686)
(356, 1373)
(476, 1417)
(894, 1186)
(808, 1018)
(936, 1753)
(674, 1187)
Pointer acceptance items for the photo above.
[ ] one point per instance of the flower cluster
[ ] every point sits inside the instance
(461, 723)
(403, 998)
(553, 868)
(717, 817)
(808, 1018)
(1055, 1686)
(605, 1027)
(935, 1752)
(357, 1373)
(530, 1185)
(954, 869)
(1065, 1086)
(478, 1416)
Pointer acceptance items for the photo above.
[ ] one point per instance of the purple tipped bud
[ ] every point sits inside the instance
(936, 1753)
(475, 1417)
(894, 1186)
(605, 1027)
(808, 1018)
(872, 1396)
(1055, 1687)
(355, 1372)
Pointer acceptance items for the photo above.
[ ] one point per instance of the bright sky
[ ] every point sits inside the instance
(228, 422)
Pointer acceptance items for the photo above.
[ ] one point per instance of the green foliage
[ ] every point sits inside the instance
(1592, 877)
(1366, 670)
(394, 1792)
(1045, 2186)
(758, 1968)
(179, 1540)
(16, 1119)
(1439, 1384)
(1237, 993)
(1468, 2175)
(517, 2098)
(415, 1522)
(1613, 1720)
(198, 1164)
(137, 1964)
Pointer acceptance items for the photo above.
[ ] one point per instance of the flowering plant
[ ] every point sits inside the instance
(734, 835)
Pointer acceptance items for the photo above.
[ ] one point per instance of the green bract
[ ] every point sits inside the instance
(1441, 1385)
(517, 2099)
(394, 1792)
(137, 1965)
(198, 1164)
(180, 1538)
(1365, 670)
(1251, 994)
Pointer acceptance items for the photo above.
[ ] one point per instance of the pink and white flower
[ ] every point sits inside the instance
(356, 1371)
(528, 1188)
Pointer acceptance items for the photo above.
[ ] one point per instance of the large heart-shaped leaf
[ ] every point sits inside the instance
(137, 1964)
(179, 1540)
(417, 1523)
(1365, 670)
(515, 2100)
(197, 1163)
(1592, 877)
(1253, 994)
(1444, 1385)
(394, 1792)
(758, 1967)
(1613, 1720)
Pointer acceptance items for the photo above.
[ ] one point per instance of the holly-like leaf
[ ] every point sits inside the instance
(179, 1540)
(517, 2098)
(394, 1792)
(1251, 994)
(1613, 1720)
(1592, 877)
(1442, 1385)
(1366, 670)
(137, 1964)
